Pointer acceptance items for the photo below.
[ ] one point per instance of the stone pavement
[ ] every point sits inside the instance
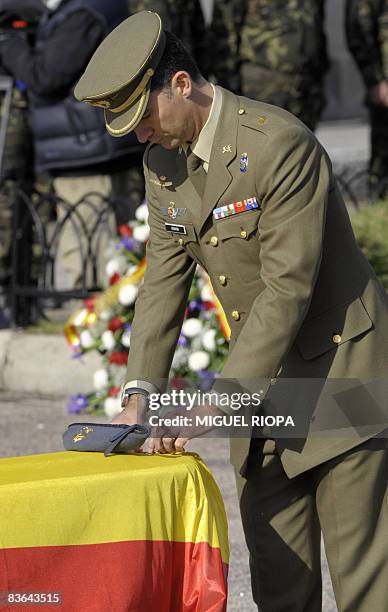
(33, 424)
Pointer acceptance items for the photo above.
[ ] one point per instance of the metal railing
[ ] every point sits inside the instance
(39, 221)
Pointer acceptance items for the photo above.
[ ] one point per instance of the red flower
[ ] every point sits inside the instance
(115, 324)
(178, 383)
(89, 303)
(125, 230)
(114, 392)
(118, 357)
(114, 278)
(208, 305)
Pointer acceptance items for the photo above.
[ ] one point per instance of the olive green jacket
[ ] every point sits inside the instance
(302, 302)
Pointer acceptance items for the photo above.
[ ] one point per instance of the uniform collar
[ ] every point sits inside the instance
(203, 145)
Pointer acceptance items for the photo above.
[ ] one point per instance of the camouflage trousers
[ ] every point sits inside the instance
(7, 197)
(16, 169)
(304, 98)
(378, 165)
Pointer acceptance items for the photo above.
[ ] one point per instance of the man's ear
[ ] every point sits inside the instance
(182, 83)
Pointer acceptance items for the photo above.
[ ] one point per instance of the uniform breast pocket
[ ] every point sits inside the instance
(182, 234)
(239, 237)
(188, 240)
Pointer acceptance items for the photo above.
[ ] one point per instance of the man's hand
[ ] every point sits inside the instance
(134, 410)
(174, 439)
(378, 94)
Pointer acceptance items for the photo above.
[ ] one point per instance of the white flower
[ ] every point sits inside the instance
(112, 406)
(86, 339)
(180, 358)
(141, 213)
(100, 379)
(112, 267)
(108, 340)
(206, 294)
(126, 338)
(105, 315)
(131, 270)
(141, 233)
(127, 294)
(198, 361)
(191, 327)
(209, 340)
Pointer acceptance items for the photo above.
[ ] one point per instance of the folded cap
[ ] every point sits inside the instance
(118, 76)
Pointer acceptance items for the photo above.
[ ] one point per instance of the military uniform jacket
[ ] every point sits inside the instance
(302, 302)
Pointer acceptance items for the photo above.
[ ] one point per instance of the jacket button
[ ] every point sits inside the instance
(241, 111)
(337, 338)
(214, 241)
(222, 279)
(180, 241)
(236, 315)
(243, 234)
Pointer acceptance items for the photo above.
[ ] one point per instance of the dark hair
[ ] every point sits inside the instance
(175, 57)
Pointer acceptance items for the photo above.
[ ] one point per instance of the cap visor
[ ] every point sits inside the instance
(119, 124)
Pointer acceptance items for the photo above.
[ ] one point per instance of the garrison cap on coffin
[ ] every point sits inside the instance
(118, 76)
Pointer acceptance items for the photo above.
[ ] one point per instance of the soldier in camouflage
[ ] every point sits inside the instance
(185, 19)
(367, 34)
(281, 51)
(17, 163)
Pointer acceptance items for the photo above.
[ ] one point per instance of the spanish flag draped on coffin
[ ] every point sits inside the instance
(123, 533)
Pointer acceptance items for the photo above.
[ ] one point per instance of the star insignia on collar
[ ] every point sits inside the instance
(227, 148)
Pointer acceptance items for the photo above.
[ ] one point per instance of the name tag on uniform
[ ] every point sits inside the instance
(175, 228)
(235, 208)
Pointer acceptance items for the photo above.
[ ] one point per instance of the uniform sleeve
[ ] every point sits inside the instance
(296, 176)
(367, 36)
(161, 302)
(55, 68)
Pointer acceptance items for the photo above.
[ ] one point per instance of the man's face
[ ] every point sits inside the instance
(166, 120)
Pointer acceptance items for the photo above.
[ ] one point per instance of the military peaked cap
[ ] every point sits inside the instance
(118, 76)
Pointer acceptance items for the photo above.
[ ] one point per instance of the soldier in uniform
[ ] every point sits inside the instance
(245, 190)
(278, 49)
(367, 34)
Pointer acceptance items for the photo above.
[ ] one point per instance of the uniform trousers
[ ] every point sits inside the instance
(345, 499)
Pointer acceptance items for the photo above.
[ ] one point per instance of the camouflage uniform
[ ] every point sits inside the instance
(281, 50)
(367, 34)
(17, 162)
(185, 19)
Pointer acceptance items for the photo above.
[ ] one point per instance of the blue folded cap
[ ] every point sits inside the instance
(105, 438)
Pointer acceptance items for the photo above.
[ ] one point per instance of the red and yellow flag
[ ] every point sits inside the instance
(123, 533)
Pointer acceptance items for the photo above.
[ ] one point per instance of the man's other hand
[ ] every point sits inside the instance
(171, 439)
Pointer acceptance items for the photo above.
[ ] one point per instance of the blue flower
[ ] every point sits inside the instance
(182, 341)
(206, 379)
(128, 243)
(77, 403)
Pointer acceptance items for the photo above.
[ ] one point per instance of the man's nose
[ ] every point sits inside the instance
(143, 133)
